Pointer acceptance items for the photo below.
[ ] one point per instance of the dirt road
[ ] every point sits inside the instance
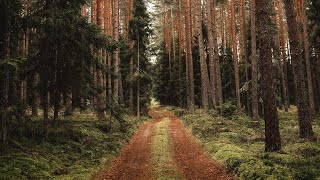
(186, 158)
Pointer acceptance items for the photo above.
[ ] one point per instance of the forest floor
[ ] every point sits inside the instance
(237, 142)
(74, 147)
(163, 149)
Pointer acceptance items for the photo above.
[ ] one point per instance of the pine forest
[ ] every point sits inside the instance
(160, 89)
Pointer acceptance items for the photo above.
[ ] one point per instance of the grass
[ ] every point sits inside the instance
(163, 165)
(74, 147)
(238, 143)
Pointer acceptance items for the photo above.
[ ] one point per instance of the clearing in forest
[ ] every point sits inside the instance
(163, 149)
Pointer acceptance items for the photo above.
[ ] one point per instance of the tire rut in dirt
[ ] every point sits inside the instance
(190, 157)
(133, 163)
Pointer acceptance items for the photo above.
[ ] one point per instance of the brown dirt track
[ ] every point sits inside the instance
(134, 160)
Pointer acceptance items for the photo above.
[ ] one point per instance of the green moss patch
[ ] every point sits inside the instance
(73, 148)
(238, 143)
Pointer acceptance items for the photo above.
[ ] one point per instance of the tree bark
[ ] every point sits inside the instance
(283, 65)
(4, 73)
(218, 84)
(235, 56)
(268, 88)
(203, 63)
(307, 53)
(116, 54)
(212, 92)
(254, 63)
(189, 57)
(302, 96)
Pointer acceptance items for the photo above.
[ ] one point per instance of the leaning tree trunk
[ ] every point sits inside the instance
(299, 70)
(268, 88)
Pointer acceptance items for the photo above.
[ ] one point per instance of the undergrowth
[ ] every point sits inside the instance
(238, 143)
(74, 147)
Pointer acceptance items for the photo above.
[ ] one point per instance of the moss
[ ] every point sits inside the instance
(74, 147)
(238, 143)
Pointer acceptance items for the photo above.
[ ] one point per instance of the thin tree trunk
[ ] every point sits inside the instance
(302, 97)
(244, 51)
(307, 53)
(116, 54)
(4, 74)
(268, 88)
(254, 63)
(283, 65)
(131, 95)
(189, 57)
(100, 98)
(218, 83)
(222, 24)
(235, 56)
(179, 13)
(138, 84)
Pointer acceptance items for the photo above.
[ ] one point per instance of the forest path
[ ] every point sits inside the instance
(163, 149)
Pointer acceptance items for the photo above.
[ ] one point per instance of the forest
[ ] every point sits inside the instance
(160, 89)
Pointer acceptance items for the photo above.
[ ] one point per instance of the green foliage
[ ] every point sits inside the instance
(227, 75)
(239, 146)
(227, 109)
(139, 34)
(72, 148)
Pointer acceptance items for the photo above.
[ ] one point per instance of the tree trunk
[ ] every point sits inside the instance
(189, 57)
(116, 54)
(203, 63)
(254, 63)
(302, 96)
(100, 98)
(179, 14)
(131, 94)
(212, 92)
(218, 84)
(244, 51)
(268, 88)
(318, 70)
(307, 53)
(35, 94)
(235, 56)
(4, 73)
(222, 24)
(283, 65)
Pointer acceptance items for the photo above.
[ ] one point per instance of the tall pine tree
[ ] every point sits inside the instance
(139, 32)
